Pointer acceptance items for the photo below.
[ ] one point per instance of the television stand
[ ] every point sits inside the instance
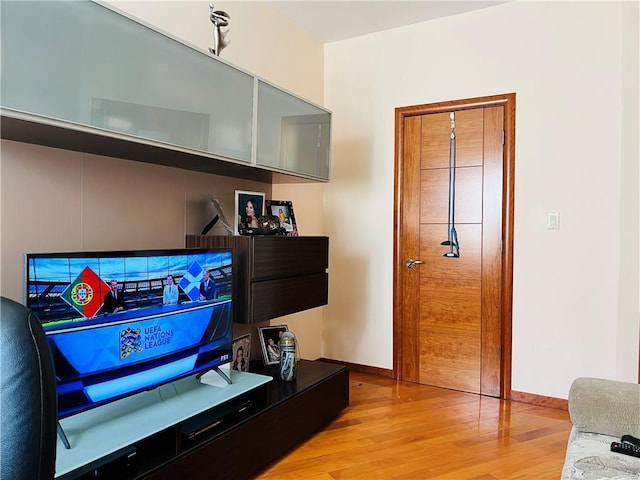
(236, 439)
(294, 411)
(144, 430)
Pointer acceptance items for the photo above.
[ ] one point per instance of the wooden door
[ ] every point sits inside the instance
(449, 321)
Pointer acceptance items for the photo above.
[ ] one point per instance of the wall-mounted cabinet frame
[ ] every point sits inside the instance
(274, 276)
(95, 71)
(293, 134)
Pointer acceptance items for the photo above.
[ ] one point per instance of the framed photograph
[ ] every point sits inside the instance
(241, 353)
(249, 206)
(269, 338)
(283, 209)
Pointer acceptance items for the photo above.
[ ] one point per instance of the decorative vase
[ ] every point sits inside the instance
(288, 357)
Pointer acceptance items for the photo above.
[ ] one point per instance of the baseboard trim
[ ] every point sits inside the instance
(540, 400)
(522, 397)
(355, 367)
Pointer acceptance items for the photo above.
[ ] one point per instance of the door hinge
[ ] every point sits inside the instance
(502, 137)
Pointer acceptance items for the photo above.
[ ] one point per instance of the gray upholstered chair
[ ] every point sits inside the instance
(28, 405)
(601, 411)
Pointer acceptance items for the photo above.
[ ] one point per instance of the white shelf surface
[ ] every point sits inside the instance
(99, 432)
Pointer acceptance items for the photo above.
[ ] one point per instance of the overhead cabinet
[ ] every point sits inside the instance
(293, 135)
(82, 66)
(86, 64)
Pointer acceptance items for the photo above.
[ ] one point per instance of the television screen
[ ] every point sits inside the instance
(122, 322)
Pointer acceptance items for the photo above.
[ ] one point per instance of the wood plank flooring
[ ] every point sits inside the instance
(396, 430)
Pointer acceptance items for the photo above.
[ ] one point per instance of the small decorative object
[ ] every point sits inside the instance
(218, 216)
(288, 357)
(241, 353)
(283, 209)
(219, 19)
(270, 341)
(249, 207)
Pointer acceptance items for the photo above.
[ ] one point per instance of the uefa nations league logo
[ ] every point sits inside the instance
(130, 342)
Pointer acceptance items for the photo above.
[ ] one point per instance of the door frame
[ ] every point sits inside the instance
(508, 101)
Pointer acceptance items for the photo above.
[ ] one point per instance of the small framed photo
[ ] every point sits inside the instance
(269, 338)
(283, 209)
(241, 352)
(249, 206)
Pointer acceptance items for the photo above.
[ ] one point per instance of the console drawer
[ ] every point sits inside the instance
(273, 276)
(283, 296)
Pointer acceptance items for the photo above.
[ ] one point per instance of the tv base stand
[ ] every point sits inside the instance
(63, 437)
(219, 372)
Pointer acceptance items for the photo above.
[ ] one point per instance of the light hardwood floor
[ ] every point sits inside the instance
(396, 430)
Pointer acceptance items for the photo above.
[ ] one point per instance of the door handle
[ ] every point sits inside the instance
(412, 263)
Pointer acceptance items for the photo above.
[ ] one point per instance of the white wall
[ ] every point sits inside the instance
(262, 41)
(629, 189)
(576, 295)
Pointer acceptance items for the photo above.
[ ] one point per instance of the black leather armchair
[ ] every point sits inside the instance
(28, 401)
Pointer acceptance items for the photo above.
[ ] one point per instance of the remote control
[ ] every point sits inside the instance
(625, 448)
(630, 440)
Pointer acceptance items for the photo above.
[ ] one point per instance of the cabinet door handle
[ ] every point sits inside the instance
(412, 263)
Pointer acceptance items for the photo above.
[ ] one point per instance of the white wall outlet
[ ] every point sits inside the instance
(553, 221)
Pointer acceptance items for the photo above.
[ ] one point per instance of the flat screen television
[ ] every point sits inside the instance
(122, 322)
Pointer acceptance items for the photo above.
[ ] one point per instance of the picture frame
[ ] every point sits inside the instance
(242, 344)
(283, 209)
(243, 224)
(269, 338)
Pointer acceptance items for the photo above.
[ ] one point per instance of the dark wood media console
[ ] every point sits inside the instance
(234, 439)
(294, 411)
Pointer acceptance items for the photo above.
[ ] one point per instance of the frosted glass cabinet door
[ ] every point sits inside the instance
(84, 63)
(293, 135)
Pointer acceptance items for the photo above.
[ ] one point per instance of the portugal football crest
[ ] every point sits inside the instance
(81, 294)
(86, 293)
